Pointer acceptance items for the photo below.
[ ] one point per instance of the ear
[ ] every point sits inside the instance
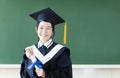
(36, 29)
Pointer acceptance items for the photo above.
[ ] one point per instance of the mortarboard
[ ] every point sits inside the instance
(50, 16)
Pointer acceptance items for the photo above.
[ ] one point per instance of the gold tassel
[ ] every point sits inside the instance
(65, 33)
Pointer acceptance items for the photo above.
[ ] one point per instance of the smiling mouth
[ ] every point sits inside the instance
(44, 35)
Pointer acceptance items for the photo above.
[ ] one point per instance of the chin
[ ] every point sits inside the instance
(44, 39)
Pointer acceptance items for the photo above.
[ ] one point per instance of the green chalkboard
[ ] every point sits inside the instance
(92, 35)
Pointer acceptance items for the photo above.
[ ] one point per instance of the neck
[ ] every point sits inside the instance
(43, 42)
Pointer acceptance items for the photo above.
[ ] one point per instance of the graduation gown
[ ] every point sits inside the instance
(59, 66)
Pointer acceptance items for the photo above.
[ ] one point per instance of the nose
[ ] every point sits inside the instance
(44, 30)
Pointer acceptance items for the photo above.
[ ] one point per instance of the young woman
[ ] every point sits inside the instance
(53, 58)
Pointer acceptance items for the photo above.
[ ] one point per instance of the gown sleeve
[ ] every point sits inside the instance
(23, 72)
(64, 66)
(23, 69)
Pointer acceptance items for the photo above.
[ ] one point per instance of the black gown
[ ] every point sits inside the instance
(59, 66)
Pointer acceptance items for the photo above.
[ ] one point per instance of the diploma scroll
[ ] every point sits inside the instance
(35, 63)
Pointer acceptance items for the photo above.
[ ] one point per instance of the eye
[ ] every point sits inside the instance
(40, 27)
(48, 28)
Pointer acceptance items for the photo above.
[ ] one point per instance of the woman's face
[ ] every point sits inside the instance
(44, 31)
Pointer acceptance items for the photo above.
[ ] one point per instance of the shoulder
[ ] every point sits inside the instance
(64, 49)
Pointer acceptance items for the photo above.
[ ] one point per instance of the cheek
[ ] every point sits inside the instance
(51, 33)
(38, 31)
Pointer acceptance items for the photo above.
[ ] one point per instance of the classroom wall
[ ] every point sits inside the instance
(79, 71)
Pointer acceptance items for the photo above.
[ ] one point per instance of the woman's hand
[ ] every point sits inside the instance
(40, 72)
(28, 52)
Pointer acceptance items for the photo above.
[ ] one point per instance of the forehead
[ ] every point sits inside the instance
(43, 23)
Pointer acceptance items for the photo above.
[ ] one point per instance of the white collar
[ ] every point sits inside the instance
(47, 44)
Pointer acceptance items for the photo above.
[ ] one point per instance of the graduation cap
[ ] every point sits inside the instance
(50, 16)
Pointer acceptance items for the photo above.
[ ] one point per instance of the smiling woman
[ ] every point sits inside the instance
(46, 59)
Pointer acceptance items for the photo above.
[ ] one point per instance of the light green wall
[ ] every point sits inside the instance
(93, 29)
